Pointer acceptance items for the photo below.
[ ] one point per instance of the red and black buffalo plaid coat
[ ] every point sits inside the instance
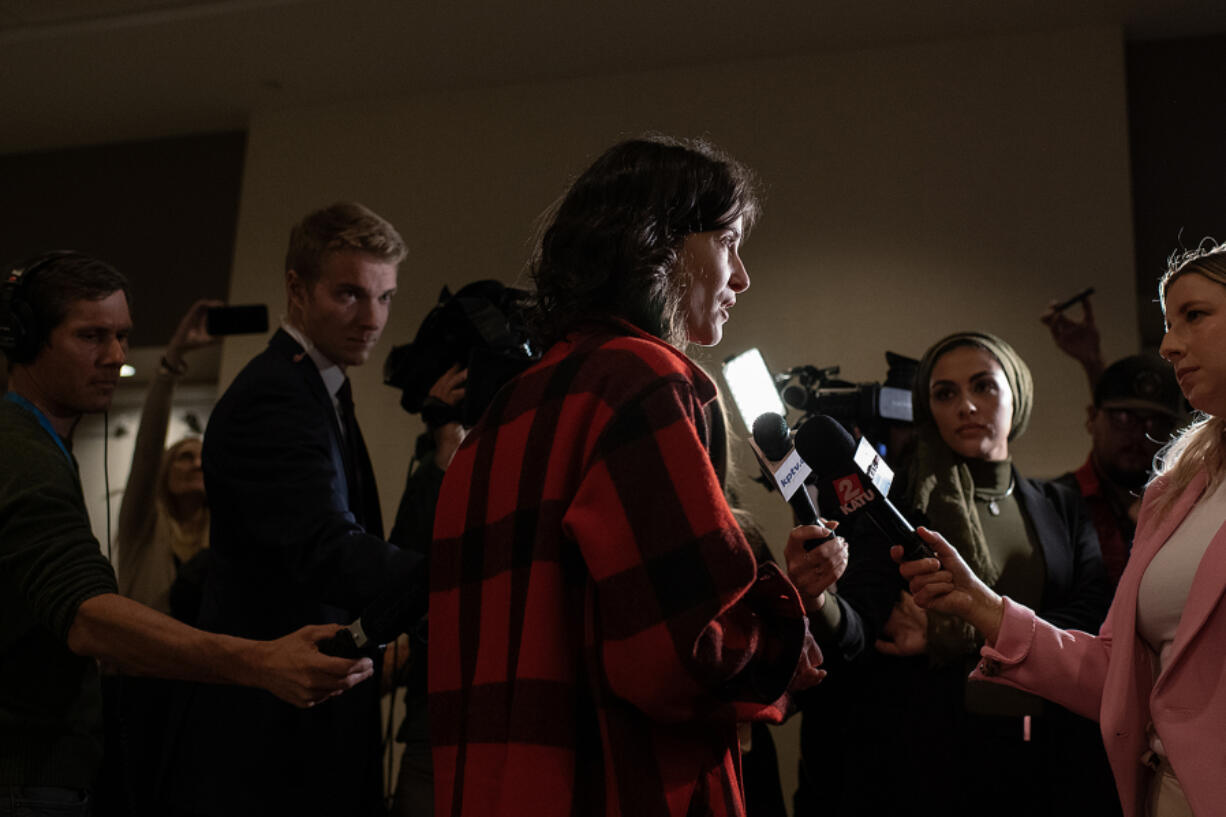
(598, 624)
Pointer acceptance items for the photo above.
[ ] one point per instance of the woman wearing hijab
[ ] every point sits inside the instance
(1153, 676)
(911, 716)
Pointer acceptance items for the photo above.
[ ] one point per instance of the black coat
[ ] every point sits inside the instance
(294, 542)
(881, 729)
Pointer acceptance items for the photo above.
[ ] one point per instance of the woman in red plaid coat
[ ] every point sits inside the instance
(598, 623)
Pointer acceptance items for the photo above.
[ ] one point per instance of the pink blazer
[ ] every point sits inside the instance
(1109, 676)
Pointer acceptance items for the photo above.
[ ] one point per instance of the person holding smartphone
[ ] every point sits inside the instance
(164, 516)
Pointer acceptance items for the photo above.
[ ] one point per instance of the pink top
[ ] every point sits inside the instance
(1110, 677)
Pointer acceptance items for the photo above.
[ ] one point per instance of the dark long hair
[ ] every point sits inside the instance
(611, 245)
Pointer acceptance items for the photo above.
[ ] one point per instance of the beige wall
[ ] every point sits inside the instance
(910, 192)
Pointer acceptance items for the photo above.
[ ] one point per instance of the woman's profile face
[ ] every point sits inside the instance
(971, 403)
(712, 264)
(185, 474)
(1195, 340)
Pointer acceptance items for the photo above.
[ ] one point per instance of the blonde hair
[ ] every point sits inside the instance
(163, 496)
(1202, 444)
(189, 536)
(345, 225)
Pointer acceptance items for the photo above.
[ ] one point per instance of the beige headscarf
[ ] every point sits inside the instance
(941, 487)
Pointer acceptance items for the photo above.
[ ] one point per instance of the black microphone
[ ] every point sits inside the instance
(782, 466)
(860, 480)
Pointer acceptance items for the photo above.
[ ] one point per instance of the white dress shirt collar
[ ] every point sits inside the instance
(331, 373)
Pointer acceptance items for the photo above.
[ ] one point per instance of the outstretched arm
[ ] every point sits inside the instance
(142, 641)
(1023, 651)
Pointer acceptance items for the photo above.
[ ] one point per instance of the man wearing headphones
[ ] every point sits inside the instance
(64, 324)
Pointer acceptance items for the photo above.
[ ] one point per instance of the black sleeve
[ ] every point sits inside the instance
(867, 590)
(276, 487)
(1078, 601)
(414, 526)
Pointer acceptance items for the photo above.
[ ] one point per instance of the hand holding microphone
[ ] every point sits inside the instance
(816, 559)
(349, 642)
(815, 556)
(859, 479)
(782, 466)
(946, 584)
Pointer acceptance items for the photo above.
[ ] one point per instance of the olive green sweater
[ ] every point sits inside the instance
(50, 703)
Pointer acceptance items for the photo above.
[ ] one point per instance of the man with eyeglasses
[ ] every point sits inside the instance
(1137, 405)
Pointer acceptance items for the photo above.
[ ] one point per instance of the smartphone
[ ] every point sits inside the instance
(1079, 297)
(247, 319)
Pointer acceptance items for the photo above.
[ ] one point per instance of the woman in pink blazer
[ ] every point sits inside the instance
(1155, 677)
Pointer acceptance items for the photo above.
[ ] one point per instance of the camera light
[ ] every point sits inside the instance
(752, 386)
(127, 370)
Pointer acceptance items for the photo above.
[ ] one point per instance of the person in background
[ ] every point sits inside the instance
(1077, 339)
(164, 515)
(598, 623)
(163, 526)
(414, 794)
(904, 687)
(1137, 405)
(296, 533)
(64, 326)
(1152, 677)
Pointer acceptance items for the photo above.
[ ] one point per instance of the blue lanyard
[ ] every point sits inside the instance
(14, 397)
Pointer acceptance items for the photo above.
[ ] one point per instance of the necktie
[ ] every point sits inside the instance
(363, 498)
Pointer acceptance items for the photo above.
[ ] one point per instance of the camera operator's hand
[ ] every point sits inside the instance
(448, 389)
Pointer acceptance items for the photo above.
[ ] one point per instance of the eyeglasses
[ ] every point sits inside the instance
(1157, 426)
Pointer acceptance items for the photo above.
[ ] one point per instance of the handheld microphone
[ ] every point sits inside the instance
(784, 468)
(860, 480)
(349, 642)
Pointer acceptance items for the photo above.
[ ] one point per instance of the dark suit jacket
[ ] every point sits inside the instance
(294, 543)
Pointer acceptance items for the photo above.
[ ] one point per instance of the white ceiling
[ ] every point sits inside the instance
(91, 71)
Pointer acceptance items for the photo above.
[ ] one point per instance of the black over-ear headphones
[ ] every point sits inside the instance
(18, 325)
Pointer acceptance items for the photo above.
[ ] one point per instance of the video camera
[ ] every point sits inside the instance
(482, 328)
(862, 408)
